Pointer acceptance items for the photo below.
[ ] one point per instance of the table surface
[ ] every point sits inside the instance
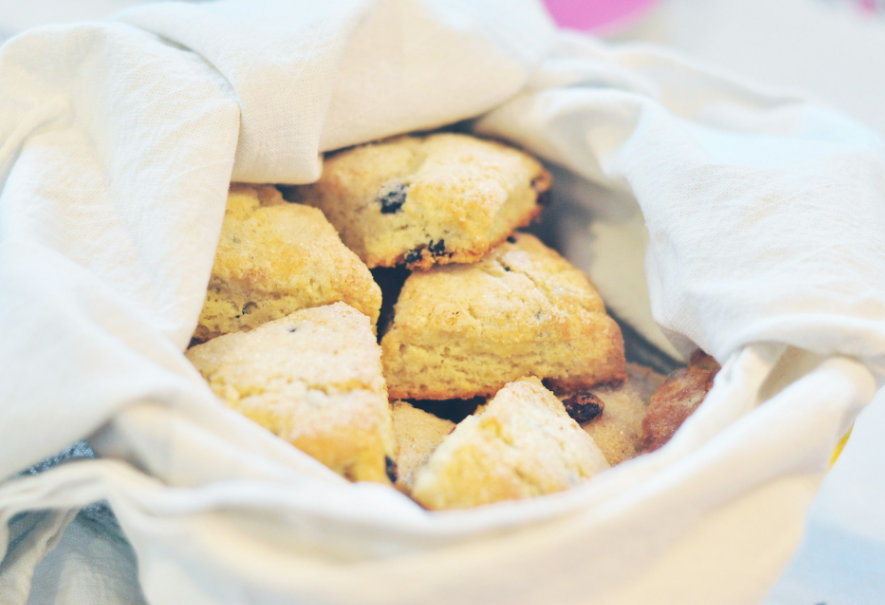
(826, 48)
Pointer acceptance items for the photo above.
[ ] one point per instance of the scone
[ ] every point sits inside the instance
(417, 434)
(678, 396)
(425, 200)
(459, 331)
(314, 379)
(274, 258)
(521, 444)
(617, 428)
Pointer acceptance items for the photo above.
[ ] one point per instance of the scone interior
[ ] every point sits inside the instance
(521, 444)
(314, 379)
(459, 331)
(426, 200)
(274, 258)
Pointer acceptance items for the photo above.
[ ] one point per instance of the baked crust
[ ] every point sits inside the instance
(427, 200)
(314, 379)
(678, 396)
(521, 444)
(274, 258)
(617, 429)
(418, 434)
(461, 331)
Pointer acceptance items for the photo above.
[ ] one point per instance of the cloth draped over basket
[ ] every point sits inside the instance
(711, 213)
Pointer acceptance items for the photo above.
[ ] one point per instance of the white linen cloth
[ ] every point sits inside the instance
(763, 218)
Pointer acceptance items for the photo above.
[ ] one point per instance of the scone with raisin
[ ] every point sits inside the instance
(613, 415)
(314, 379)
(417, 433)
(426, 200)
(460, 331)
(521, 444)
(274, 258)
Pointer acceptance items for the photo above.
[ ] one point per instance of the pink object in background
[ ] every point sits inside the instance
(596, 15)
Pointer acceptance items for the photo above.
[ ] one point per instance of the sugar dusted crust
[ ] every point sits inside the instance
(617, 429)
(314, 379)
(274, 258)
(461, 331)
(427, 200)
(521, 444)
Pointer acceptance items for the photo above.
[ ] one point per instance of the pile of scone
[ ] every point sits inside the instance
(390, 321)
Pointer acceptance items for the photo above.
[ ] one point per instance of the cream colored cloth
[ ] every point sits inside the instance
(762, 216)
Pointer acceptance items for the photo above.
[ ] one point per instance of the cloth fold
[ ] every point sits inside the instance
(725, 175)
(756, 215)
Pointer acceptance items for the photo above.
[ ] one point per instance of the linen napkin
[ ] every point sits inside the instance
(756, 215)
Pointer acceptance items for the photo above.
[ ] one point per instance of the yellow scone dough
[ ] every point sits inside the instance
(314, 379)
(460, 331)
(417, 434)
(274, 258)
(426, 200)
(522, 443)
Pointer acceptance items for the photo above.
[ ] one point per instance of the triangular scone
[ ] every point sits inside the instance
(274, 258)
(314, 379)
(417, 434)
(459, 331)
(522, 443)
(425, 200)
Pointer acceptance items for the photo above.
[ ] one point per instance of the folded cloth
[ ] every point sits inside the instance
(758, 216)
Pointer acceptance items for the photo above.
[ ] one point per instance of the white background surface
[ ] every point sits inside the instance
(832, 51)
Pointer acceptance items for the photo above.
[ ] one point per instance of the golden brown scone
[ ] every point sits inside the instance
(617, 428)
(425, 200)
(678, 396)
(459, 331)
(520, 444)
(314, 379)
(417, 434)
(274, 258)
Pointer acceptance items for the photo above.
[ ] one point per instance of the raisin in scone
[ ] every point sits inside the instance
(417, 434)
(274, 258)
(459, 331)
(521, 444)
(314, 379)
(425, 200)
(616, 423)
